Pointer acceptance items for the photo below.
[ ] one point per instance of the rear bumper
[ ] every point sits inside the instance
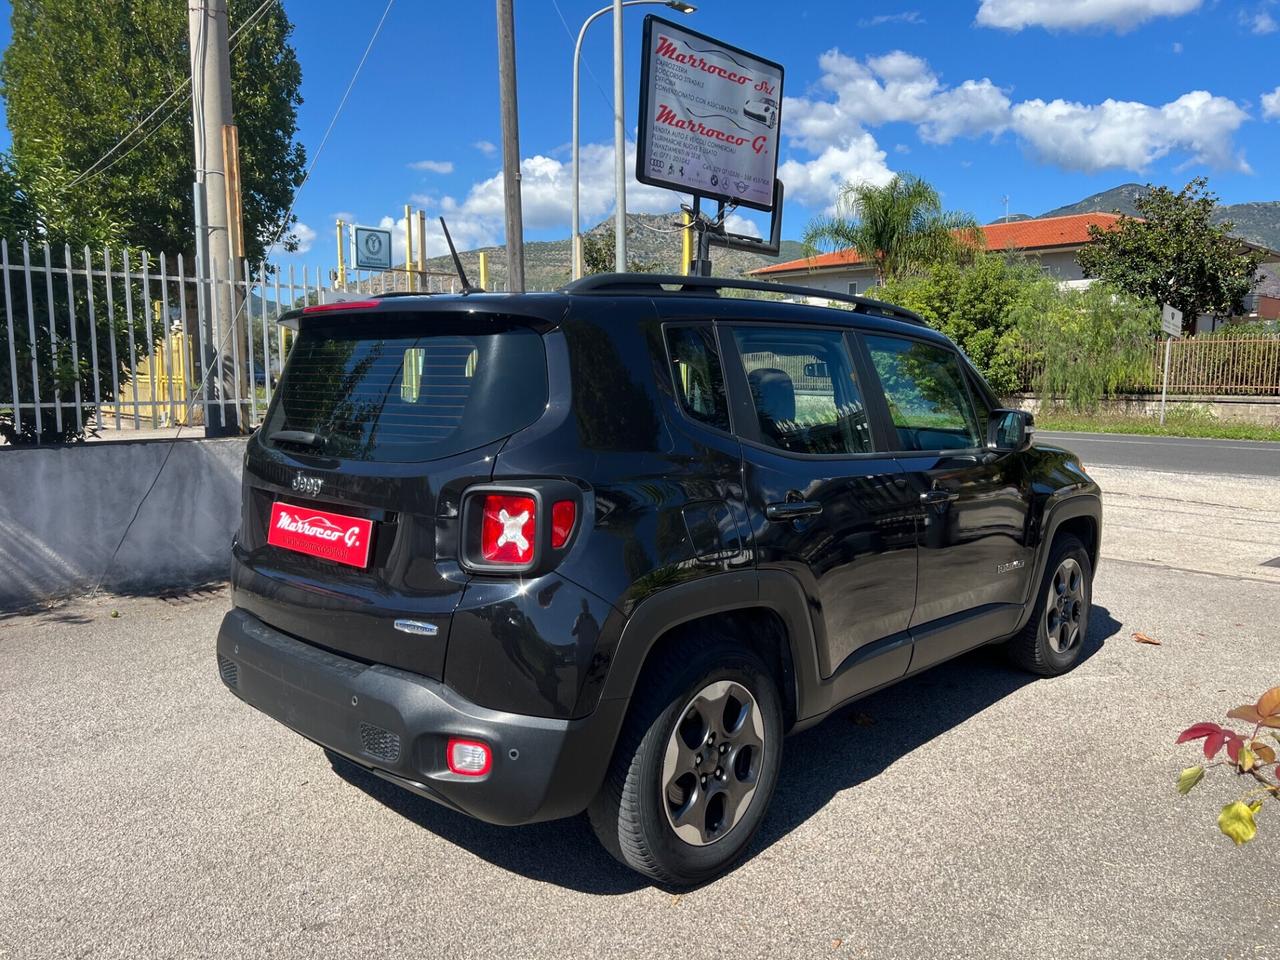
(397, 724)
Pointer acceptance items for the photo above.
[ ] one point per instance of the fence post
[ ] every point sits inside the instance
(13, 352)
(1164, 389)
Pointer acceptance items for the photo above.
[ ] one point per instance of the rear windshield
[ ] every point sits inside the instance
(369, 394)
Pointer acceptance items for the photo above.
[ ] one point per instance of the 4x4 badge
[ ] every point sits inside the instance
(308, 485)
(1011, 565)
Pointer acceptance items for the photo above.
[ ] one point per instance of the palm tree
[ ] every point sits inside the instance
(900, 227)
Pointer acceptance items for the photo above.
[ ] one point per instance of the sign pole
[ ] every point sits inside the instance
(1171, 327)
(342, 261)
(1164, 390)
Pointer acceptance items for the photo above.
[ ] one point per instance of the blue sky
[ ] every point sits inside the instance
(1045, 101)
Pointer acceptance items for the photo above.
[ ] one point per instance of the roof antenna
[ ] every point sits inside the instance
(457, 262)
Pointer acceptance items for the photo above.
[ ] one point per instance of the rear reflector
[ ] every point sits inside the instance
(340, 305)
(563, 514)
(469, 758)
(508, 529)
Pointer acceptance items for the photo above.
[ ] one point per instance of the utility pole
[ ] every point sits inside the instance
(211, 112)
(619, 148)
(510, 146)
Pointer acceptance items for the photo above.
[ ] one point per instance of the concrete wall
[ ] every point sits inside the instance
(1264, 410)
(64, 509)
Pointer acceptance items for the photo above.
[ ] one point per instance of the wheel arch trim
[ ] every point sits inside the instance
(772, 590)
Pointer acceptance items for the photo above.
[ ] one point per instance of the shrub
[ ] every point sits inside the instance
(982, 307)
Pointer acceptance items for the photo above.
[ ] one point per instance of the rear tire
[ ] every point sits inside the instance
(1053, 638)
(695, 765)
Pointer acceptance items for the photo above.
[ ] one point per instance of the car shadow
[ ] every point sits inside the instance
(850, 747)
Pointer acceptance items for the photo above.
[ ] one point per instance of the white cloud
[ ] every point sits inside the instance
(1177, 47)
(912, 17)
(433, 166)
(1262, 23)
(1118, 133)
(817, 182)
(305, 236)
(1077, 14)
(425, 200)
(736, 223)
(896, 87)
(477, 218)
(485, 147)
(902, 88)
(1271, 105)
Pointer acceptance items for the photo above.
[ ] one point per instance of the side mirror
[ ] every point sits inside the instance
(1010, 430)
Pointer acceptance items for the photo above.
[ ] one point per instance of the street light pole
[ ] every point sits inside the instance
(684, 8)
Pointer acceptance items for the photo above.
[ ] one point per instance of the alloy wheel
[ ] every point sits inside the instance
(712, 762)
(1065, 606)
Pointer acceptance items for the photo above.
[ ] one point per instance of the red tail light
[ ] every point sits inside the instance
(509, 529)
(563, 515)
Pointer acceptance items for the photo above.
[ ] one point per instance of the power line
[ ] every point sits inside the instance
(284, 223)
(573, 41)
(182, 87)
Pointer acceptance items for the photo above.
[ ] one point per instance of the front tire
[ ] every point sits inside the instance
(1051, 642)
(695, 766)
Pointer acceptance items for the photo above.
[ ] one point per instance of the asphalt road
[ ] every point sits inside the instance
(1177, 454)
(969, 812)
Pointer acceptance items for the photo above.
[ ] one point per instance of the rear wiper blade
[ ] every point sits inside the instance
(301, 438)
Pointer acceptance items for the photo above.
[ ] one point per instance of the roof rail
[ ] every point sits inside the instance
(657, 284)
(404, 293)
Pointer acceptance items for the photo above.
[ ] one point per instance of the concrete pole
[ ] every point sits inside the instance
(510, 146)
(211, 111)
(619, 146)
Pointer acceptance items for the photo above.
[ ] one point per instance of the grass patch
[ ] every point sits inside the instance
(1178, 423)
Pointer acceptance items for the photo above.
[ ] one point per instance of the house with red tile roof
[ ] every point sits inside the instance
(1053, 241)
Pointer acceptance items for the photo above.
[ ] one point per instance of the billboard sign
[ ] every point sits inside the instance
(710, 115)
(373, 248)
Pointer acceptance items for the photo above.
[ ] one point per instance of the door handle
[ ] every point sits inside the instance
(792, 509)
(938, 497)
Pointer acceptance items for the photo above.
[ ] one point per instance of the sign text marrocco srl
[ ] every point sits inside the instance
(710, 115)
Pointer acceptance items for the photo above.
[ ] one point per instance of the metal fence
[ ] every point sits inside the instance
(109, 340)
(1210, 366)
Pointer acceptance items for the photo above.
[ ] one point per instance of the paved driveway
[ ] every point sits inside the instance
(969, 812)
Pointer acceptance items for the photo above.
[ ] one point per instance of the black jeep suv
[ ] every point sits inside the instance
(601, 549)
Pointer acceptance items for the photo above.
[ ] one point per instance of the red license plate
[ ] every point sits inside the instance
(318, 533)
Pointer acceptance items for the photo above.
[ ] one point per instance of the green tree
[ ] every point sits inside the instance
(1174, 254)
(981, 306)
(77, 77)
(599, 255)
(900, 228)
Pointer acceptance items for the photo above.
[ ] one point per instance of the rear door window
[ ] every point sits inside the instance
(699, 378)
(805, 390)
(380, 394)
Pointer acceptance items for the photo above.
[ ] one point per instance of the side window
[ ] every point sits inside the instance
(806, 395)
(926, 392)
(699, 379)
